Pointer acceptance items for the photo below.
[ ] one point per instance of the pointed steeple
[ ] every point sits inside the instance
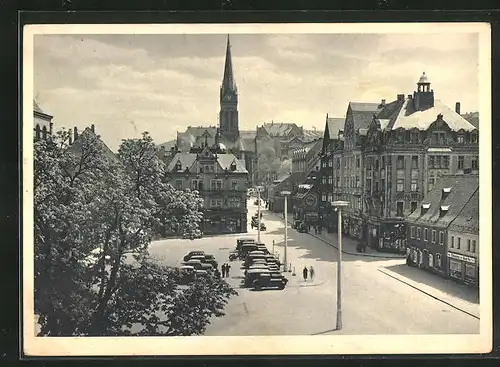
(228, 80)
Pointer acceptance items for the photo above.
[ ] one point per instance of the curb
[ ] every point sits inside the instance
(348, 252)
(385, 272)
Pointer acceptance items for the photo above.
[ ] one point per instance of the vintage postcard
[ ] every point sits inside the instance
(249, 189)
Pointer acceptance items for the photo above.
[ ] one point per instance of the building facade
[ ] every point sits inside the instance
(42, 123)
(433, 244)
(463, 244)
(222, 181)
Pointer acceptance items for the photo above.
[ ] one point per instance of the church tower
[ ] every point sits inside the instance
(228, 115)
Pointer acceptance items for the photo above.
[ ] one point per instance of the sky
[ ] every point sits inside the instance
(127, 84)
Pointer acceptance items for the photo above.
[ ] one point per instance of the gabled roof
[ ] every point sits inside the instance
(334, 125)
(281, 129)
(473, 118)
(76, 147)
(38, 111)
(188, 159)
(310, 135)
(462, 189)
(409, 118)
(36, 107)
(468, 218)
(362, 113)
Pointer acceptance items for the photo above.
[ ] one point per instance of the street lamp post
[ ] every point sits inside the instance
(338, 206)
(259, 188)
(285, 260)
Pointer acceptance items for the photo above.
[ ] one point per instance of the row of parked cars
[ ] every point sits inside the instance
(262, 269)
(197, 263)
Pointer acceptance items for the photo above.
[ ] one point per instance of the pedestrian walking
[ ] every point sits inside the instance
(304, 273)
(223, 269)
(228, 267)
(311, 273)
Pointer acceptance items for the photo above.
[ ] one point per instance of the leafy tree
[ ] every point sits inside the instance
(95, 214)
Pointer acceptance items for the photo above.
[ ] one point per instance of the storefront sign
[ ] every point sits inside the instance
(455, 256)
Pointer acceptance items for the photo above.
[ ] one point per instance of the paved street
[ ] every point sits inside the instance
(374, 302)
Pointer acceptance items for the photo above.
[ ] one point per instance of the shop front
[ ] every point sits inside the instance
(224, 222)
(463, 268)
(352, 225)
(392, 236)
(372, 230)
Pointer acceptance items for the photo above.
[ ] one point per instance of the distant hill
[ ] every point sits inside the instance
(472, 117)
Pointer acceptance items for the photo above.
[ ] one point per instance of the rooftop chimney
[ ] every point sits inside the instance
(92, 128)
(457, 107)
(75, 132)
(410, 96)
(383, 102)
(401, 97)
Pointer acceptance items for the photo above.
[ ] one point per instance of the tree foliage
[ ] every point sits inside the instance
(95, 214)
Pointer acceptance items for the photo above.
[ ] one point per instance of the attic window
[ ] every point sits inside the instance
(233, 166)
(424, 209)
(446, 192)
(178, 166)
(443, 210)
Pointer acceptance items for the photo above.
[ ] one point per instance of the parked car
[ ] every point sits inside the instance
(245, 249)
(193, 253)
(210, 259)
(196, 264)
(269, 281)
(252, 274)
(187, 273)
(241, 241)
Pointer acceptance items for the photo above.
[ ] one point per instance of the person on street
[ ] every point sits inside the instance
(304, 273)
(228, 267)
(311, 273)
(223, 268)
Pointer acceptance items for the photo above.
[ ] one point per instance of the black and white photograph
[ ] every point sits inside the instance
(256, 189)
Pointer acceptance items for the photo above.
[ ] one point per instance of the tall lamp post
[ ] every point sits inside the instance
(259, 189)
(338, 205)
(285, 260)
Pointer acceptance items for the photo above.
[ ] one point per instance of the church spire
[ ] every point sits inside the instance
(228, 80)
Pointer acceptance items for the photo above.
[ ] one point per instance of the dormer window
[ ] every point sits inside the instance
(178, 166)
(425, 208)
(460, 138)
(443, 210)
(446, 191)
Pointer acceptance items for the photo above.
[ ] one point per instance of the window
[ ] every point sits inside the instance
(216, 185)
(400, 185)
(414, 180)
(418, 233)
(431, 261)
(357, 182)
(413, 206)
(369, 184)
(234, 185)
(473, 138)
(234, 202)
(216, 202)
(412, 232)
(468, 245)
(338, 181)
(44, 132)
(446, 161)
(441, 237)
(329, 164)
(431, 161)
(211, 168)
(399, 208)
(345, 162)
(400, 162)
(194, 184)
(473, 248)
(470, 271)
(426, 234)
(178, 184)
(437, 161)
(338, 163)
(376, 164)
(323, 179)
(475, 163)
(414, 137)
(460, 138)
(433, 239)
(414, 162)
(438, 261)
(323, 197)
(458, 242)
(330, 197)
(37, 132)
(431, 183)
(460, 162)
(357, 162)
(452, 244)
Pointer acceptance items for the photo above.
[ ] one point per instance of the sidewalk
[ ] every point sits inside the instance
(450, 293)
(348, 244)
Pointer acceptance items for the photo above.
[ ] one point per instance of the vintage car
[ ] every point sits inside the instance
(251, 259)
(198, 257)
(253, 274)
(241, 241)
(193, 253)
(245, 249)
(201, 273)
(210, 259)
(256, 226)
(269, 281)
(196, 264)
(186, 274)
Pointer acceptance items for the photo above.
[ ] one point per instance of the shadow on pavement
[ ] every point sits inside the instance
(448, 286)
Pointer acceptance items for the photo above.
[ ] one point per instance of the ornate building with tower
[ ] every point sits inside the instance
(42, 123)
